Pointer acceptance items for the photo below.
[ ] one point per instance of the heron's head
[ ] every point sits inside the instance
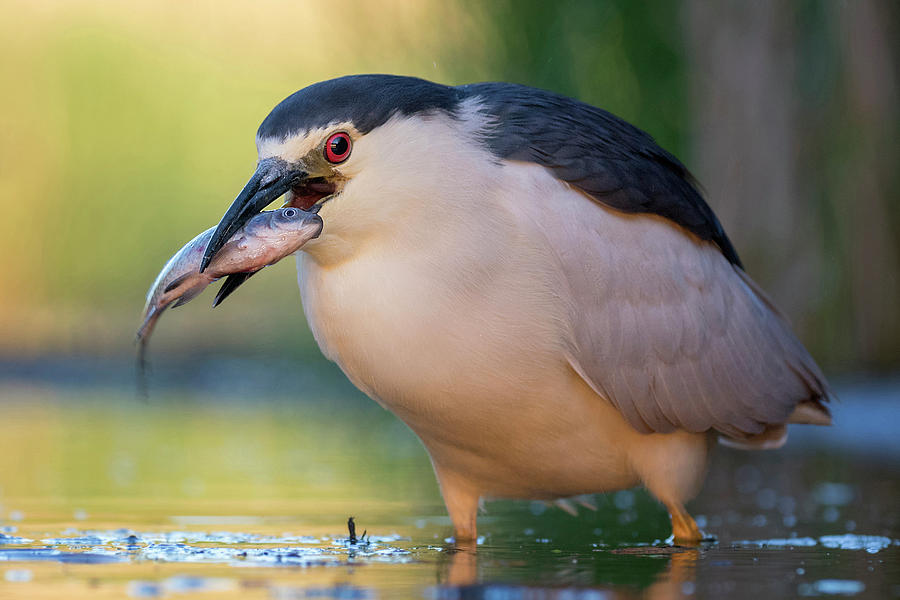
(362, 150)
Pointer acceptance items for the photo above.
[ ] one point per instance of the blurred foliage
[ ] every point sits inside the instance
(625, 57)
(126, 128)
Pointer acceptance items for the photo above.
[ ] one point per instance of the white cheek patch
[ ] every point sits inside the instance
(297, 146)
(414, 151)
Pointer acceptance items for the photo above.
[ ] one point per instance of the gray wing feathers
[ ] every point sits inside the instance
(677, 337)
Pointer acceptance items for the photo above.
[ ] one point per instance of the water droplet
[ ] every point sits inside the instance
(766, 498)
(759, 521)
(833, 494)
(747, 479)
(786, 505)
(144, 589)
(624, 499)
(537, 507)
(17, 575)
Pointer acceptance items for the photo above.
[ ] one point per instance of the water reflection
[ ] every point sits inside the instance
(460, 577)
(367, 569)
(205, 491)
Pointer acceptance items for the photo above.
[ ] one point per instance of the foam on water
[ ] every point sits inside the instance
(235, 548)
(832, 587)
(848, 541)
(12, 539)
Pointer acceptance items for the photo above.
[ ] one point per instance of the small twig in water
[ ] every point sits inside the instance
(351, 526)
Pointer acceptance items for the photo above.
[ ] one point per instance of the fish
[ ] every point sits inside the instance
(264, 240)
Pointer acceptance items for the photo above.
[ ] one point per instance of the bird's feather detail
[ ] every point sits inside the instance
(676, 337)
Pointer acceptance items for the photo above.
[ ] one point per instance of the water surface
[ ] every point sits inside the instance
(225, 485)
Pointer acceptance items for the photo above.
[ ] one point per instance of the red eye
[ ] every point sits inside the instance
(337, 147)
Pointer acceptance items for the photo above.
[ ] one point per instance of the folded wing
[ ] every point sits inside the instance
(676, 336)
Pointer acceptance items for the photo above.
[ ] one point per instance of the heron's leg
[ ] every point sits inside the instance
(462, 504)
(684, 528)
(672, 467)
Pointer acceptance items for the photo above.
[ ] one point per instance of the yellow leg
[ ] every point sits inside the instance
(462, 504)
(672, 467)
(684, 528)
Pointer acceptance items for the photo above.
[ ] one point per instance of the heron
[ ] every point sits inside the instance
(531, 284)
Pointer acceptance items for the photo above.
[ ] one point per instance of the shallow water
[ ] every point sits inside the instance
(220, 487)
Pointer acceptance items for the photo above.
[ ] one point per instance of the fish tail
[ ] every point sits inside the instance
(141, 339)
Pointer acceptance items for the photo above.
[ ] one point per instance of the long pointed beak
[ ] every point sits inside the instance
(273, 177)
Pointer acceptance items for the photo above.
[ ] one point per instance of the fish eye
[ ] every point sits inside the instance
(290, 213)
(337, 147)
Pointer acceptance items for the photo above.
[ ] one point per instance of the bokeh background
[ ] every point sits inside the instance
(127, 127)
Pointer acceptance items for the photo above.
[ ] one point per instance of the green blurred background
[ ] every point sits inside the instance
(128, 127)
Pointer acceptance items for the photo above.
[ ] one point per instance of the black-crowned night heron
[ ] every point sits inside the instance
(532, 285)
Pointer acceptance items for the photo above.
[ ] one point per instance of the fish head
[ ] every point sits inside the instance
(283, 231)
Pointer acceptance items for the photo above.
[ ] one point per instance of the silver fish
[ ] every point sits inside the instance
(263, 241)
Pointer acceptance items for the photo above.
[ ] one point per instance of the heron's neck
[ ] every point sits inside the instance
(447, 198)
